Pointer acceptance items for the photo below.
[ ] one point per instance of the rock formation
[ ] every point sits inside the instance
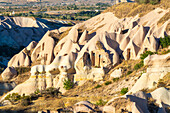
(90, 48)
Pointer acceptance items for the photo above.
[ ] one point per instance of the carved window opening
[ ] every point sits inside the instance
(43, 47)
(128, 54)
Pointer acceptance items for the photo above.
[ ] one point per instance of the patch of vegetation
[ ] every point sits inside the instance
(165, 42)
(124, 91)
(101, 102)
(142, 57)
(21, 70)
(129, 72)
(161, 83)
(68, 84)
(13, 97)
(98, 86)
(145, 54)
(165, 18)
(132, 9)
(115, 79)
(55, 36)
(50, 92)
(107, 82)
(62, 35)
(165, 52)
(139, 65)
(153, 2)
(164, 82)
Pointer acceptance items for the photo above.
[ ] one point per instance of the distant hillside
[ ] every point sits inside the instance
(132, 9)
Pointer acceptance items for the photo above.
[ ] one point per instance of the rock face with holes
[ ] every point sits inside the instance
(91, 48)
(44, 50)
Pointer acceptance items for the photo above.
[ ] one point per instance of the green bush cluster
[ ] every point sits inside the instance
(107, 82)
(165, 42)
(14, 97)
(115, 79)
(153, 2)
(98, 86)
(139, 65)
(52, 92)
(145, 54)
(124, 91)
(68, 84)
(129, 72)
(142, 57)
(101, 102)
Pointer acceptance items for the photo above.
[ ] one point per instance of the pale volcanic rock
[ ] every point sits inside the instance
(105, 38)
(116, 73)
(44, 50)
(84, 37)
(25, 22)
(9, 73)
(157, 60)
(159, 67)
(161, 95)
(31, 46)
(63, 29)
(20, 59)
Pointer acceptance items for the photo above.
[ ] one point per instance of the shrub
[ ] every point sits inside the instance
(13, 97)
(165, 42)
(101, 102)
(37, 91)
(51, 92)
(68, 84)
(138, 65)
(98, 86)
(145, 54)
(115, 79)
(129, 72)
(165, 52)
(107, 82)
(25, 102)
(124, 91)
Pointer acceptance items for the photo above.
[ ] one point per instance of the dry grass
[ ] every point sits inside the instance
(22, 78)
(165, 18)
(64, 34)
(132, 9)
(165, 82)
(120, 104)
(94, 30)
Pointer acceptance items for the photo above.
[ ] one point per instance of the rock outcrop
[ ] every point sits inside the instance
(92, 47)
(159, 67)
(9, 73)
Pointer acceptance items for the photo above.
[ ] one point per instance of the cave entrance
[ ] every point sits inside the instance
(93, 58)
(128, 54)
